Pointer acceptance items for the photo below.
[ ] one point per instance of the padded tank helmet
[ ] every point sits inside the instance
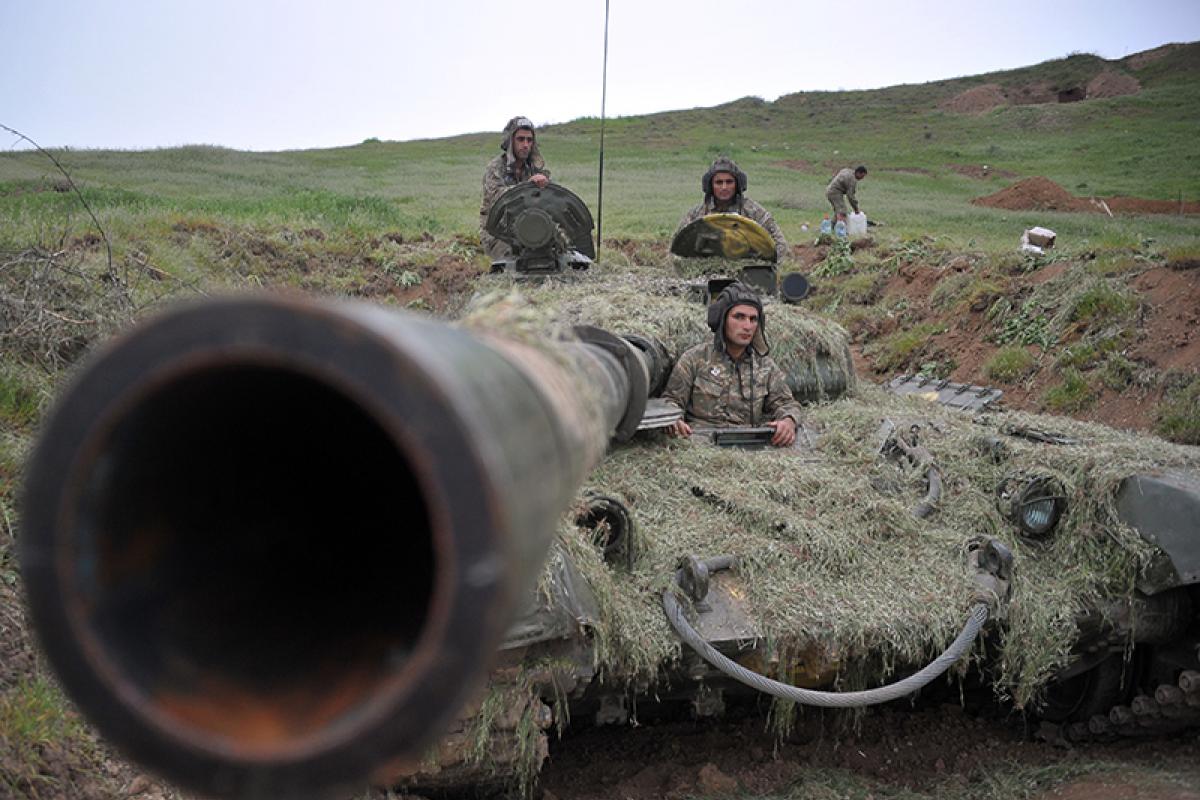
(738, 294)
(515, 124)
(724, 164)
(535, 154)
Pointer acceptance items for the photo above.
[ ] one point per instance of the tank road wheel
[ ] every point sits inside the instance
(1094, 691)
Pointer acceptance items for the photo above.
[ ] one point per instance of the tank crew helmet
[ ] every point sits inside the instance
(738, 294)
(724, 164)
(515, 124)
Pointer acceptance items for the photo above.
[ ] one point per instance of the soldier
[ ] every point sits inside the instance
(724, 193)
(519, 161)
(841, 189)
(732, 380)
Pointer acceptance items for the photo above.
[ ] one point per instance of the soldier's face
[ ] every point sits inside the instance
(741, 323)
(522, 143)
(724, 186)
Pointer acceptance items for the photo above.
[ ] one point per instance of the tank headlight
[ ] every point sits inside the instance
(1034, 503)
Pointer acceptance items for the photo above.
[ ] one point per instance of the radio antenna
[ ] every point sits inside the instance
(603, 101)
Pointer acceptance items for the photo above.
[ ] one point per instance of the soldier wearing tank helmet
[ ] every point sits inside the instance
(725, 193)
(519, 161)
(731, 380)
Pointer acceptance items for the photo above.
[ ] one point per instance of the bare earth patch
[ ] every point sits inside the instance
(1111, 83)
(1042, 194)
(976, 100)
(933, 751)
(1167, 337)
(1139, 60)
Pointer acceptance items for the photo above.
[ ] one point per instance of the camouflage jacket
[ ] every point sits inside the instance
(498, 177)
(713, 389)
(747, 208)
(844, 183)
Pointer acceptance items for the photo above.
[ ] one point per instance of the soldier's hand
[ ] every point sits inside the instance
(540, 181)
(680, 428)
(785, 432)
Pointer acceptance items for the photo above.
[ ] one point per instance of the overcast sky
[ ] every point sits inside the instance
(274, 75)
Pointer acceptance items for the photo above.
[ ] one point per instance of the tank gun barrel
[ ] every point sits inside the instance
(271, 544)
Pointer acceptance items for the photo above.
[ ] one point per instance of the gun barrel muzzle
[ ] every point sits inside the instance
(271, 544)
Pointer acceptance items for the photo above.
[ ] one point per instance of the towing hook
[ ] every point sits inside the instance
(992, 563)
(694, 573)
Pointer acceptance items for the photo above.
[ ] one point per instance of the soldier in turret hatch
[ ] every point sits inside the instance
(732, 380)
(519, 161)
(725, 193)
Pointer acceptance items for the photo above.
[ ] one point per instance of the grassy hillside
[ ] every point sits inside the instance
(1142, 144)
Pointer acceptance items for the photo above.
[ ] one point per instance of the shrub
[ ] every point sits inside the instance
(1009, 365)
(838, 260)
(1100, 304)
(1179, 413)
(1071, 395)
(1117, 372)
(900, 349)
(863, 288)
(1027, 326)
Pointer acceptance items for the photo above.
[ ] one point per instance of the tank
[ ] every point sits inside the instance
(278, 546)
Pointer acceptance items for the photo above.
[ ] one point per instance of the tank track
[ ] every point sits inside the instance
(494, 742)
(1172, 708)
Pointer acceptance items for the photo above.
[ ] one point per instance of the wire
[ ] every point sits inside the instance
(603, 103)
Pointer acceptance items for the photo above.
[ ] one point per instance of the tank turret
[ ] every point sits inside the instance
(549, 230)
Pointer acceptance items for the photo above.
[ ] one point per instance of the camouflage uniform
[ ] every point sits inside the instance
(709, 386)
(747, 208)
(500, 175)
(713, 389)
(841, 189)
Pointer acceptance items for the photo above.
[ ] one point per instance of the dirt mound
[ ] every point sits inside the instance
(1032, 94)
(1138, 205)
(1034, 194)
(976, 100)
(1111, 83)
(1139, 60)
(1043, 194)
(979, 99)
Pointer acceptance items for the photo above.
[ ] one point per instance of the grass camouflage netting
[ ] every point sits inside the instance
(831, 556)
(654, 303)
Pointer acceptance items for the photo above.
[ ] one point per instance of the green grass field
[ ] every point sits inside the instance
(1142, 145)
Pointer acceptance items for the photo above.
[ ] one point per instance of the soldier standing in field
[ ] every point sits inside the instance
(842, 188)
(725, 193)
(731, 380)
(519, 161)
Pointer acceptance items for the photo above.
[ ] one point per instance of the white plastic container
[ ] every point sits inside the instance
(856, 224)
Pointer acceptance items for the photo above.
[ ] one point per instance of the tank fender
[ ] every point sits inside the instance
(1164, 507)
